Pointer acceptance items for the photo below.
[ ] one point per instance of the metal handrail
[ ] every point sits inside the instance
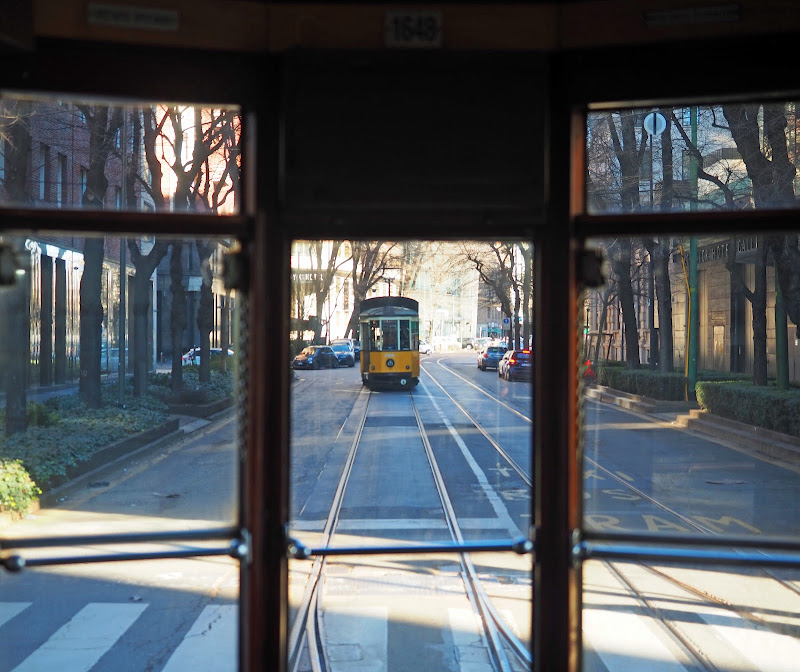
(237, 546)
(521, 546)
(682, 549)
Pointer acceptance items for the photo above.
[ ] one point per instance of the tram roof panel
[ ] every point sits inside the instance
(389, 306)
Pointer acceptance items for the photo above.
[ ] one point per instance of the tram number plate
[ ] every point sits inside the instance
(413, 29)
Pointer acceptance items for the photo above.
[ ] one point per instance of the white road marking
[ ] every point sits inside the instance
(491, 494)
(79, 644)
(468, 640)
(356, 638)
(9, 610)
(211, 643)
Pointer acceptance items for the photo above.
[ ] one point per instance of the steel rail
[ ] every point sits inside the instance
(496, 628)
(306, 624)
(511, 462)
(666, 624)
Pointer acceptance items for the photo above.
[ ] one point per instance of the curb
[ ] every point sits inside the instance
(109, 456)
(689, 416)
(202, 410)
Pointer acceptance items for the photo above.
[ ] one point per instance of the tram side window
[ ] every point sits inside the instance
(414, 335)
(374, 335)
(389, 335)
(405, 335)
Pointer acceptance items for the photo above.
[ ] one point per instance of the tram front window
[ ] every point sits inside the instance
(411, 481)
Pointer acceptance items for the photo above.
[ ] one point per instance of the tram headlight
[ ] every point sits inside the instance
(390, 363)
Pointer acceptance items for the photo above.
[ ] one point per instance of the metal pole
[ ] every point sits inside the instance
(123, 262)
(694, 313)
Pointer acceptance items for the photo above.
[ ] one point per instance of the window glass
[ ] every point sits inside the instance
(69, 153)
(661, 616)
(691, 393)
(401, 459)
(720, 157)
(116, 445)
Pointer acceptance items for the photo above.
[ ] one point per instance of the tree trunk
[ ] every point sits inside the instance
(664, 296)
(621, 266)
(205, 311)
(16, 305)
(178, 318)
(141, 313)
(91, 322)
(760, 318)
(15, 332)
(144, 264)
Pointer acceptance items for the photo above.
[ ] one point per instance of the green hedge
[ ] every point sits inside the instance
(646, 383)
(767, 407)
(653, 384)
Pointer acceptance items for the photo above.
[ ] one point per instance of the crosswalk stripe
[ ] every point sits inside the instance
(469, 642)
(9, 610)
(79, 644)
(356, 638)
(210, 644)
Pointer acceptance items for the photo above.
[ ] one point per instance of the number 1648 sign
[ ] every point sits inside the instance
(413, 29)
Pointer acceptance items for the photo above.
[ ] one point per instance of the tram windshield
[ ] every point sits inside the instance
(406, 457)
(393, 335)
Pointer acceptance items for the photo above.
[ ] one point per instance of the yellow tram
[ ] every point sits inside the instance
(389, 327)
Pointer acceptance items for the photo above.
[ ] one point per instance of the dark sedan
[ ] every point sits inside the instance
(344, 354)
(516, 365)
(316, 357)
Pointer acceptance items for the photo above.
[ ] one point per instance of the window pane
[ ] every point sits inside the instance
(727, 156)
(691, 398)
(660, 617)
(153, 156)
(114, 430)
(407, 448)
(691, 410)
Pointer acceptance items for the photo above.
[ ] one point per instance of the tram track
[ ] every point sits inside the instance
(689, 580)
(506, 652)
(680, 579)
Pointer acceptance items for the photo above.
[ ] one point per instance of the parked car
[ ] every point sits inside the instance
(425, 348)
(468, 343)
(516, 365)
(344, 353)
(354, 345)
(192, 357)
(316, 357)
(490, 357)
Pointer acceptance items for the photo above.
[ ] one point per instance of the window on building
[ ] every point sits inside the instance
(62, 181)
(44, 172)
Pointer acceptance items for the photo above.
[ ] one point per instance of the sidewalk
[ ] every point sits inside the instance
(688, 416)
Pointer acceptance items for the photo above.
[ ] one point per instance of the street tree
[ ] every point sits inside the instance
(759, 132)
(371, 259)
(498, 266)
(15, 329)
(103, 122)
(201, 149)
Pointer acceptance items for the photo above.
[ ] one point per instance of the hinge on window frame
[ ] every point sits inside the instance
(590, 268)
(236, 271)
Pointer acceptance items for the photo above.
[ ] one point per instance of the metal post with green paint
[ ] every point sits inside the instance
(694, 313)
